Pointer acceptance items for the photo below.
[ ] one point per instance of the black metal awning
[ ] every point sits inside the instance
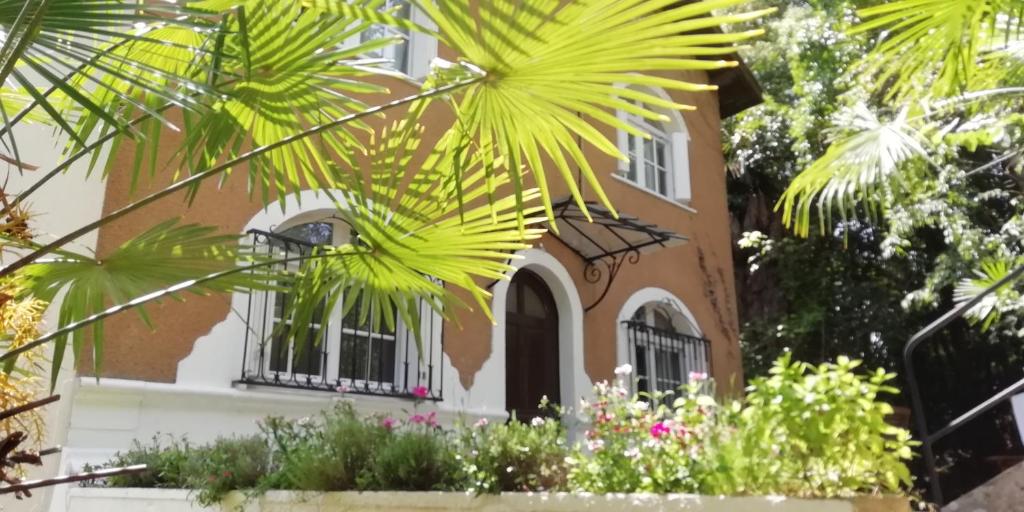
(607, 241)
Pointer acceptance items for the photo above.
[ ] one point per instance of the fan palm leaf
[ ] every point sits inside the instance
(545, 67)
(167, 254)
(853, 170)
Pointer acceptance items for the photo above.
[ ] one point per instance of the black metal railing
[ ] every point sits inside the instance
(340, 353)
(971, 376)
(663, 360)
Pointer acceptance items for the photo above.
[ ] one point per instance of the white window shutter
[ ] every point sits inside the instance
(681, 167)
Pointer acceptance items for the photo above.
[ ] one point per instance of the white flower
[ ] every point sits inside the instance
(537, 422)
(595, 444)
(624, 370)
(633, 453)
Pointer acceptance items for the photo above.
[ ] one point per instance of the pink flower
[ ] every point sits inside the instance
(342, 389)
(698, 376)
(659, 430)
(388, 423)
(420, 392)
(429, 420)
(481, 423)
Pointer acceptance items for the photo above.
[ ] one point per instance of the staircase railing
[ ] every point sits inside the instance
(929, 438)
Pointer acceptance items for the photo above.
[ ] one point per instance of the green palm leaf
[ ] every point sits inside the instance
(547, 62)
(854, 170)
(167, 254)
(938, 39)
(68, 43)
(990, 308)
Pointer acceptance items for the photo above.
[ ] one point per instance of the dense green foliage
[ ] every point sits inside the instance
(811, 431)
(513, 456)
(897, 242)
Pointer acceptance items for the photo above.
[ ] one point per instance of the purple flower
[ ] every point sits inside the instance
(659, 430)
(420, 392)
(388, 423)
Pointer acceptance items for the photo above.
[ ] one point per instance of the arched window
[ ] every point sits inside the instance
(659, 164)
(664, 348)
(340, 350)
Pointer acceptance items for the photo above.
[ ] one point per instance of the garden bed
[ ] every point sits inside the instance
(177, 500)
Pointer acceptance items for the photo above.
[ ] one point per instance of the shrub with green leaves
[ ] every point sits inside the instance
(329, 454)
(414, 458)
(170, 461)
(821, 431)
(513, 456)
(229, 465)
(807, 431)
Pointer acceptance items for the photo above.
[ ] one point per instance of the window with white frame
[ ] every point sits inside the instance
(414, 51)
(663, 349)
(659, 163)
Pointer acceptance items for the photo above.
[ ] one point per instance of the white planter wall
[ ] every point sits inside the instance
(161, 500)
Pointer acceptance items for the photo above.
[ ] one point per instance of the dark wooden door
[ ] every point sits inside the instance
(531, 346)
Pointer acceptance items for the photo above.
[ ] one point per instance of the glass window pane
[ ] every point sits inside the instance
(398, 53)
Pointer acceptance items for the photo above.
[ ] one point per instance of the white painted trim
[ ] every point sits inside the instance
(177, 500)
(677, 204)
(573, 380)
(635, 302)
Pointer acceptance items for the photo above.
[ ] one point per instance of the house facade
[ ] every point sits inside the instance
(652, 288)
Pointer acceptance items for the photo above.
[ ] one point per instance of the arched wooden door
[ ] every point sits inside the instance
(531, 346)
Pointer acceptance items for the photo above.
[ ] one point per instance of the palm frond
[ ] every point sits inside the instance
(68, 42)
(167, 254)
(854, 169)
(990, 308)
(548, 62)
(932, 47)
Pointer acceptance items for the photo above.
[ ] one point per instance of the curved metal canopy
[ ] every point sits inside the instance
(607, 241)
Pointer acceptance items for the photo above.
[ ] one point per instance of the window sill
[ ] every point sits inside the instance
(652, 193)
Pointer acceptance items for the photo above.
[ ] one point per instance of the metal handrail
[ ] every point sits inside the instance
(927, 438)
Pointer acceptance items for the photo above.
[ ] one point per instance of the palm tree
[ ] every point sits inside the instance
(944, 79)
(281, 88)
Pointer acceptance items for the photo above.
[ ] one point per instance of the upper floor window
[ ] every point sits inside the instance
(661, 163)
(414, 51)
(397, 53)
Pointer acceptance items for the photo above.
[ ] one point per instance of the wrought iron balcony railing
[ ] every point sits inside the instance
(340, 353)
(663, 360)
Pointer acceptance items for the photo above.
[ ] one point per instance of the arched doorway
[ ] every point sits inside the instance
(531, 346)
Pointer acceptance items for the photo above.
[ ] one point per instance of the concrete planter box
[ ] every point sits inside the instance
(170, 500)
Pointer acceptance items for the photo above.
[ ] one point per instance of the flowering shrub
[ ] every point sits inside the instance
(634, 446)
(807, 431)
(228, 465)
(804, 431)
(513, 456)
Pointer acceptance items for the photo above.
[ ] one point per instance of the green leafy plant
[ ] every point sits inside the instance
(330, 453)
(413, 458)
(170, 462)
(228, 465)
(807, 431)
(513, 456)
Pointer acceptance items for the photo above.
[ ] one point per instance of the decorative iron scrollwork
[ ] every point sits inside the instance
(607, 268)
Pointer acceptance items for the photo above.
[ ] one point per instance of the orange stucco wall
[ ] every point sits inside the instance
(699, 273)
